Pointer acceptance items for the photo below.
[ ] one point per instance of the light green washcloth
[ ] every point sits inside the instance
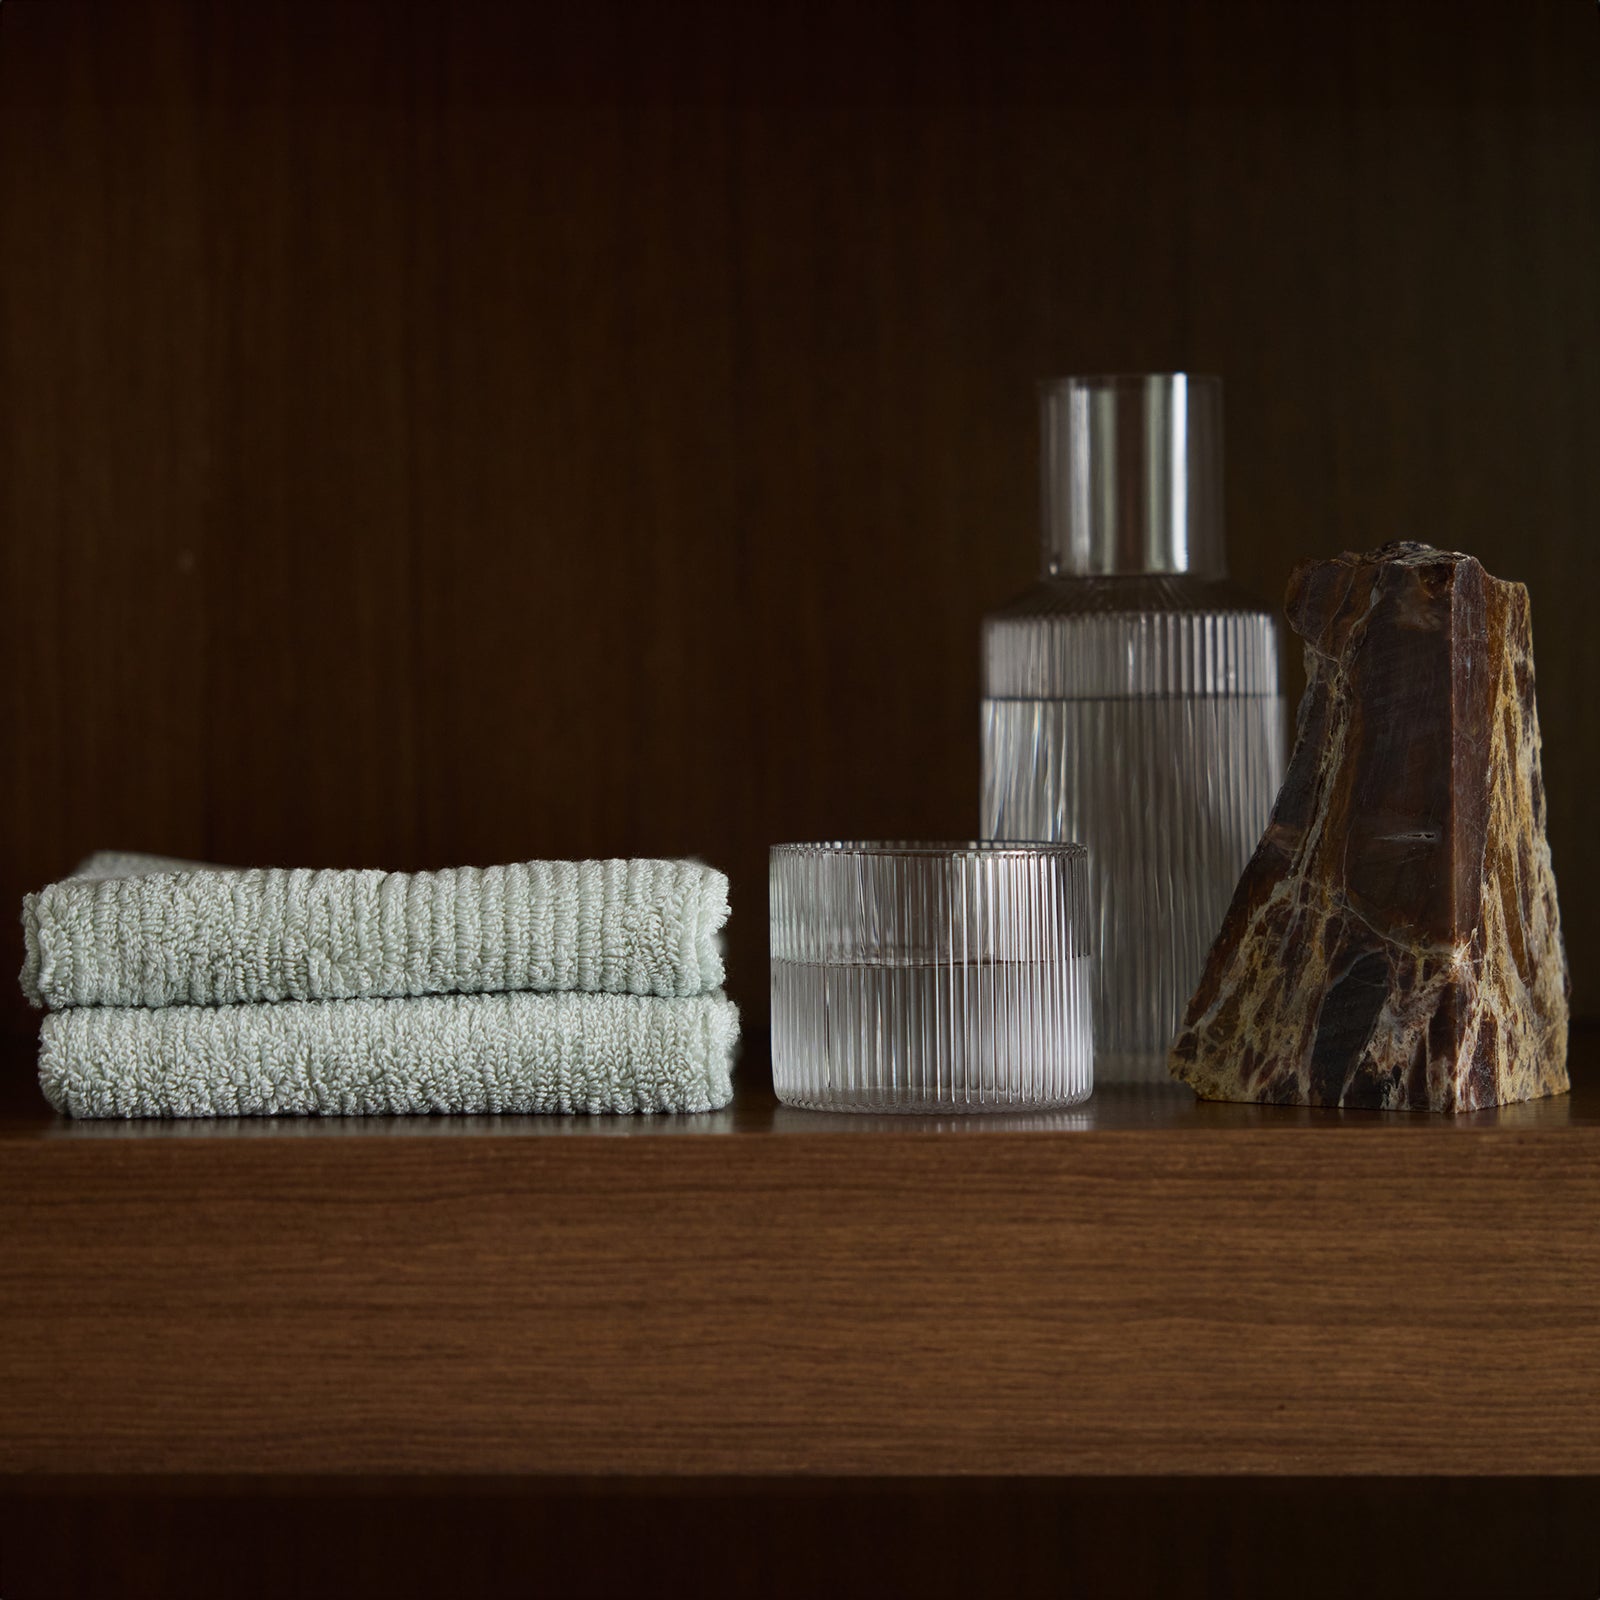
(130, 930)
(444, 1053)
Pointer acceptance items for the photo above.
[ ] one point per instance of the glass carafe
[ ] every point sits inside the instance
(1131, 696)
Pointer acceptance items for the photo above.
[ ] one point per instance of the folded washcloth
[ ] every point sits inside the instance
(145, 931)
(444, 1053)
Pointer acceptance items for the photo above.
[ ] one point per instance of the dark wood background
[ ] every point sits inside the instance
(457, 433)
(439, 433)
(953, 1539)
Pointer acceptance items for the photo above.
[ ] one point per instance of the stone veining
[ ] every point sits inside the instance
(1395, 941)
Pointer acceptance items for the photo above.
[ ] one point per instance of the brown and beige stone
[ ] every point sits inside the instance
(1395, 941)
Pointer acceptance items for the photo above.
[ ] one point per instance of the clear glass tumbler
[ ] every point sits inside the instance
(946, 977)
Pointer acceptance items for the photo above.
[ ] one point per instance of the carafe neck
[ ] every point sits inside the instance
(1131, 470)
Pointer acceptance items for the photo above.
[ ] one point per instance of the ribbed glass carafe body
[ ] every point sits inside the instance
(1140, 716)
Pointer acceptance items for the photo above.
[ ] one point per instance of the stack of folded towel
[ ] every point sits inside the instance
(180, 990)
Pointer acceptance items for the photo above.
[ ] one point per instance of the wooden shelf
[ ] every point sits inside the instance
(1144, 1286)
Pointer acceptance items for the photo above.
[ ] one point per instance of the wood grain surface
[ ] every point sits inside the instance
(1355, 1294)
(458, 433)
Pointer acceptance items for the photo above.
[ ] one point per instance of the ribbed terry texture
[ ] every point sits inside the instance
(481, 1053)
(146, 931)
(181, 990)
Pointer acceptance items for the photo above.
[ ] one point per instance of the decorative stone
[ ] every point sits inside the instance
(1394, 941)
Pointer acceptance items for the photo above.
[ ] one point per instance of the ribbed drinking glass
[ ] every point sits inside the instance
(946, 977)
